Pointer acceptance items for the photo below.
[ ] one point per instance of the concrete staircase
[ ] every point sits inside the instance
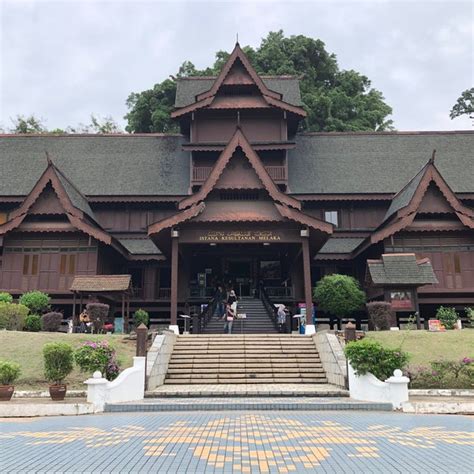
(245, 359)
(257, 322)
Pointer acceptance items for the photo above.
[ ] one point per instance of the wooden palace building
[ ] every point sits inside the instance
(238, 198)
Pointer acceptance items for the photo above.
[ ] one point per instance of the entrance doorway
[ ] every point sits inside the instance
(240, 273)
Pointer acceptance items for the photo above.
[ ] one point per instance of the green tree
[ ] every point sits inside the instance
(339, 295)
(335, 100)
(464, 105)
(30, 124)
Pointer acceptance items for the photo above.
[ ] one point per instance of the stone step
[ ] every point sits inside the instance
(270, 371)
(165, 403)
(224, 380)
(240, 358)
(275, 365)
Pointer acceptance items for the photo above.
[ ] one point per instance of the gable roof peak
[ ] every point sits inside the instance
(239, 140)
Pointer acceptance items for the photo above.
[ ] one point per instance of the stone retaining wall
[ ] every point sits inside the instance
(158, 359)
(332, 357)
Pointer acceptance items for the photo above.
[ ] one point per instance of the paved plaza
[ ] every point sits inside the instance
(239, 442)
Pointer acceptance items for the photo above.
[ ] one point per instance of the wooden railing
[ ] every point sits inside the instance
(279, 291)
(200, 173)
(164, 293)
(277, 173)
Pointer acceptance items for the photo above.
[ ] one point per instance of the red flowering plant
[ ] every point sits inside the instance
(92, 356)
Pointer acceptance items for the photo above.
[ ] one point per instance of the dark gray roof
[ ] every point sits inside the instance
(189, 87)
(77, 199)
(140, 246)
(403, 198)
(149, 165)
(97, 165)
(377, 162)
(340, 245)
(401, 269)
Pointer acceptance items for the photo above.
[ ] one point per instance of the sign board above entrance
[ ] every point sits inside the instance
(240, 236)
(209, 236)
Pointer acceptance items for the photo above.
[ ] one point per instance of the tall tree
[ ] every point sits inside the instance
(336, 100)
(464, 105)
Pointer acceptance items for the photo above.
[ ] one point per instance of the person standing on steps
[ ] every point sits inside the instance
(281, 318)
(229, 319)
(232, 300)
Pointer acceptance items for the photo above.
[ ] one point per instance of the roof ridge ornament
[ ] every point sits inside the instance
(48, 158)
(433, 156)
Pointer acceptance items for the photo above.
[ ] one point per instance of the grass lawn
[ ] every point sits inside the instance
(25, 348)
(425, 346)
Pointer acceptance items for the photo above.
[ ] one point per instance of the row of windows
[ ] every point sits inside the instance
(67, 264)
(47, 249)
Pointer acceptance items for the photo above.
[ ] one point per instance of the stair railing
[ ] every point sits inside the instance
(269, 306)
(201, 320)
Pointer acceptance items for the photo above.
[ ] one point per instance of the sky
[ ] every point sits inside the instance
(63, 60)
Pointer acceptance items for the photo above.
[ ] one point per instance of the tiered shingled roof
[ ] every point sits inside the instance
(75, 205)
(283, 206)
(405, 204)
(401, 269)
(208, 98)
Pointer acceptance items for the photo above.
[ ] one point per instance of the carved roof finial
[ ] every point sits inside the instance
(48, 158)
(432, 159)
(237, 39)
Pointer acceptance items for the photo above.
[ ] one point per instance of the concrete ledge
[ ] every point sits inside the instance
(441, 392)
(45, 394)
(32, 408)
(450, 406)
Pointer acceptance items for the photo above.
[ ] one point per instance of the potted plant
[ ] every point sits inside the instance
(9, 372)
(58, 364)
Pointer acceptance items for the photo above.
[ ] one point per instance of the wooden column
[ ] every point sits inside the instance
(308, 295)
(174, 280)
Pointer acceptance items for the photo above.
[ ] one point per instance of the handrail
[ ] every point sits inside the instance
(269, 306)
(201, 320)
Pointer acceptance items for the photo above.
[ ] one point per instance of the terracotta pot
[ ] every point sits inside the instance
(58, 392)
(6, 392)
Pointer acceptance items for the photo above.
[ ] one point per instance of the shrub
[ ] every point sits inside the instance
(36, 301)
(141, 316)
(12, 316)
(447, 317)
(92, 356)
(98, 313)
(339, 295)
(443, 374)
(381, 316)
(58, 361)
(9, 372)
(470, 316)
(368, 355)
(33, 323)
(51, 321)
(5, 297)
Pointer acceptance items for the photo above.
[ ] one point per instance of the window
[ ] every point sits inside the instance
(331, 217)
(30, 269)
(64, 268)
